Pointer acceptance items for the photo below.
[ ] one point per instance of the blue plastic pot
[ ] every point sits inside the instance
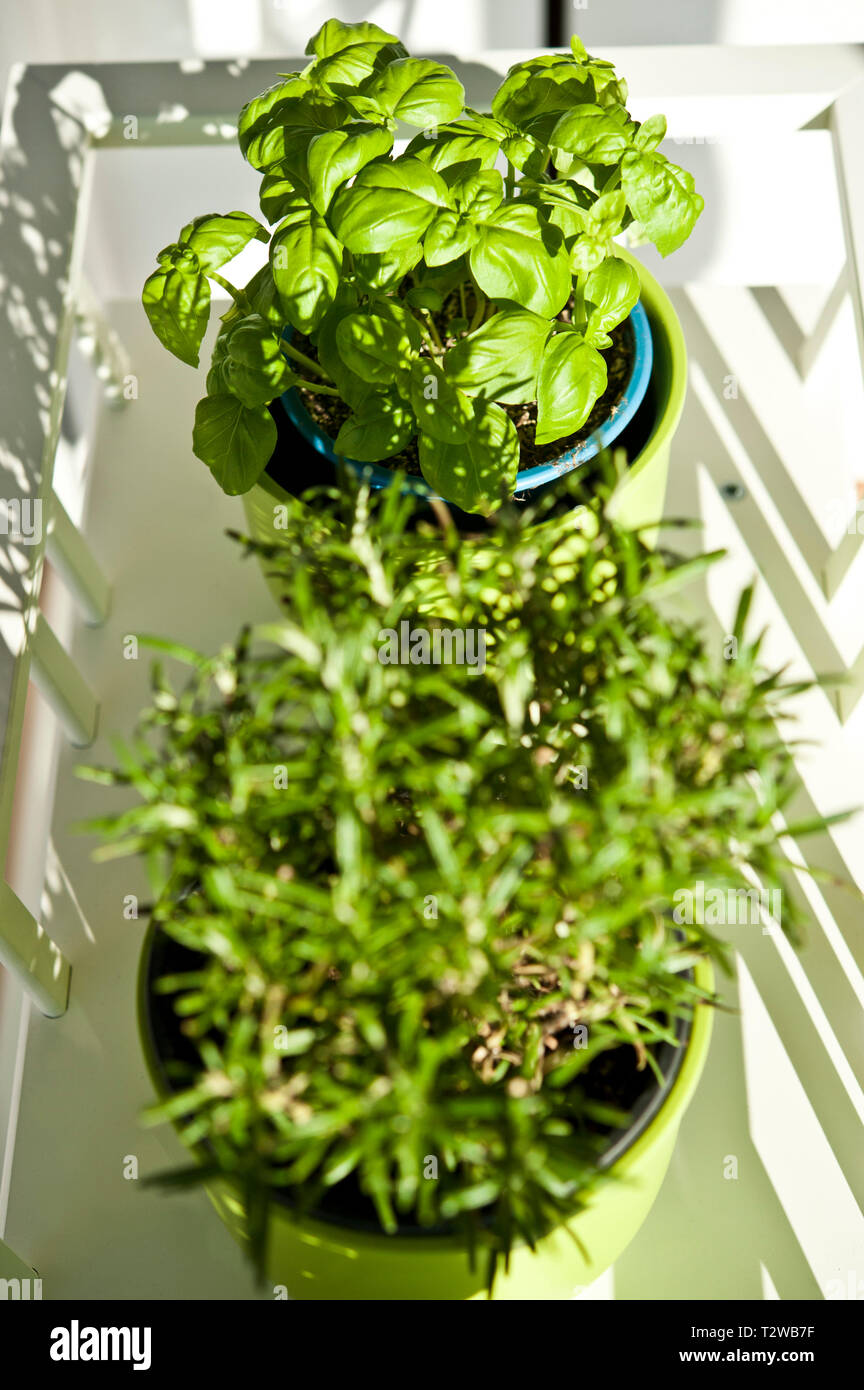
(527, 478)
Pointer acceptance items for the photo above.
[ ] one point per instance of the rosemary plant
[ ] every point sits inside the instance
(428, 903)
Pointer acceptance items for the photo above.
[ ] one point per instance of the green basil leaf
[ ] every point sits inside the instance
(534, 94)
(602, 74)
(560, 204)
(443, 278)
(346, 54)
(442, 411)
(453, 144)
(306, 261)
(283, 148)
(596, 134)
(476, 196)
(277, 126)
(518, 257)
(480, 473)
(662, 198)
(177, 303)
(234, 441)
(390, 203)
(257, 114)
(335, 156)
(417, 91)
(381, 427)
(281, 196)
(386, 269)
(449, 237)
(249, 363)
(336, 37)
(219, 237)
(352, 388)
(528, 155)
(572, 377)
(500, 360)
(649, 134)
(606, 215)
(425, 297)
(343, 73)
(586, 254)
(263, 296)
(610, 293)
(387, 307)
(374, 347)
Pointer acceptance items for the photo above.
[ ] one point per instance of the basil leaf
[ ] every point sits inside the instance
(500, 360)
(518, 257)
(219, 237)
(595, 134)
(397, 312)
(389, 204)
(364, 109)
(375, 348)
(306, 261)
(380, 428)
(602, 74)
(425, 297)
(453, 144)
(263, 296)
(177, 302)
(234, 441)
(283, 148)
(586, 228)
(335, 156)
(442, 411)
(285, 96)
(610, 293)
(477, 196)
(606, 215)
(480, 473)
(572, 377)
(586, 254)
(560, 205)
(385, 270)
(417, 91)
(662, 198)
(336, 37)
(248, 362)
(534, 94)
(650, 133)
(352, 388)
(280, 196)
(528, 155)
(449, 237)
(346, 54)
(277, 126)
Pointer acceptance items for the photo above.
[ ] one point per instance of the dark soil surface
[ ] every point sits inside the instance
(329, 412)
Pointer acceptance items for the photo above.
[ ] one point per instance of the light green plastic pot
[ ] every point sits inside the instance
(314, 1259)
(639, 499)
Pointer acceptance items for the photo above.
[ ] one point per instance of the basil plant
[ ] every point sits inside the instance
(429, 285)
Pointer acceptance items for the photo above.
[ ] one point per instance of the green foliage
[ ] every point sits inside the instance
(357, 230)
(410, 883)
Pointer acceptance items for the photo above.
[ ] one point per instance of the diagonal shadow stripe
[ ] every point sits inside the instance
(754, 439)
(708, 1235)
(801, 348)
(772, 561)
